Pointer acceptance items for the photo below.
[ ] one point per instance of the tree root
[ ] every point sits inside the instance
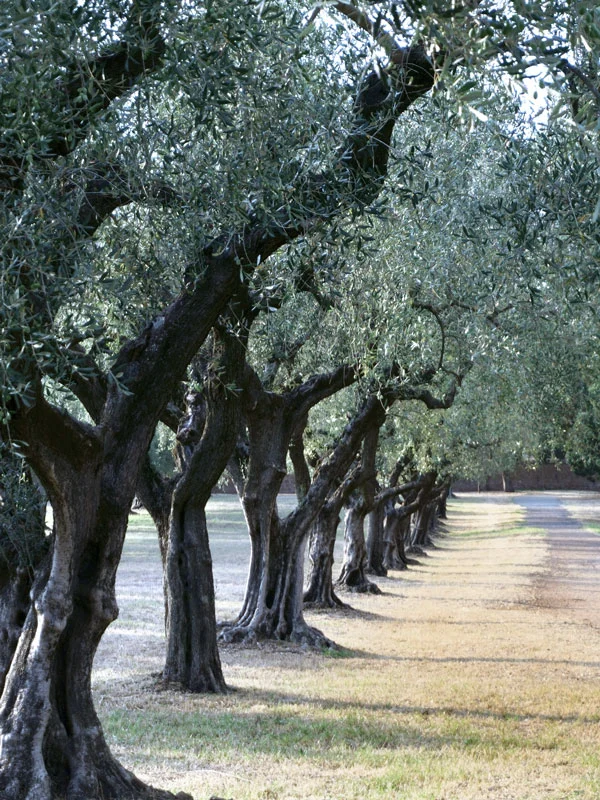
(326, 604)
(396, 564)
(251, 635)
(364, 587)
(307, 636)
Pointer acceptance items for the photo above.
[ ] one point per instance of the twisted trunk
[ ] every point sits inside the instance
(396, 530)
(272, 605)
(353, 575)
(52, 740)
(15, 586)
(270, 426)
(320, 592)
(207, 445)
(375, 541)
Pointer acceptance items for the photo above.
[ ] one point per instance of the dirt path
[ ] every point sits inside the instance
(571, 580)
(474, 676)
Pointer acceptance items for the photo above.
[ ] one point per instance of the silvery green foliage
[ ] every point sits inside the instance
(23, 537)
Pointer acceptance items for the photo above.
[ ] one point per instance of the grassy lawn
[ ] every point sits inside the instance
(456, 682)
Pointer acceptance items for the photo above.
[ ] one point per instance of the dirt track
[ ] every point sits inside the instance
(571, 578)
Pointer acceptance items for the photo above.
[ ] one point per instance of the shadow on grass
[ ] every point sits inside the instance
(353, 710)
(294, 727)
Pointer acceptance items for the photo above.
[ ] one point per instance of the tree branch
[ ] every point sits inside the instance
(319, 387)
(394, 491)
(571, 69)
(383, 39)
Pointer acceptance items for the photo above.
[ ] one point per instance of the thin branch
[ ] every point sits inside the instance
(383, 39)
(316, 11)
(394, 491)
(571, 69)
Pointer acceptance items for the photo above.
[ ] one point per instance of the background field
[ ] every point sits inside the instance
(475, 675)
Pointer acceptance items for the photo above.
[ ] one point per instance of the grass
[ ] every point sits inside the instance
(454, 684)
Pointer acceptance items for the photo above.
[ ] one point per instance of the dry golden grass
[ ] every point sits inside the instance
(459, 682)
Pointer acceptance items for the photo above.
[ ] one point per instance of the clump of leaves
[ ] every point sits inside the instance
(23, 539)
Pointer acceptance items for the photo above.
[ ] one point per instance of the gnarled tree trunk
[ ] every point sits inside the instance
(192, 658)
(52, 740)
(395, 531)
(375, 541)
(272, 605)
(353, 575)
(320, 592)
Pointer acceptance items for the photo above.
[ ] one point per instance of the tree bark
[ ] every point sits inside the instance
(272, 605)
(23, 547)
(353, 575)
(320, 592)
(52, 741)
(192, 659)
(396, 528)
(375, 541)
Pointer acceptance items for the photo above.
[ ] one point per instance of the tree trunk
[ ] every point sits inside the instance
(320, 593)
(507, 483)
(207, 445)
(23, 548)
(298, 459)
(155, 493)
(192, 659)
(420, 525)
(272, 605)
(356, 558)
(375, 542)
(52, 740)
(353, 574)
(394, 531)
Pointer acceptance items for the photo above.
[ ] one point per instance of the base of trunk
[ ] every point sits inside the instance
(301, 633)
(101, 778)
(379, 572)
(327, 601)
(364, 586)
(208, 683)
(396, 564)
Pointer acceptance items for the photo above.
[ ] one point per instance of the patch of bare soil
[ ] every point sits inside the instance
(571, 578)
(475, 675)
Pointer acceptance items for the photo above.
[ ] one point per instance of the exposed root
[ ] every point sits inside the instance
(302, 634)
(396, 564)
(238, 634)
(332, 603)
(308, 636)
(321, 601)
(416, 551)
(363, 587)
